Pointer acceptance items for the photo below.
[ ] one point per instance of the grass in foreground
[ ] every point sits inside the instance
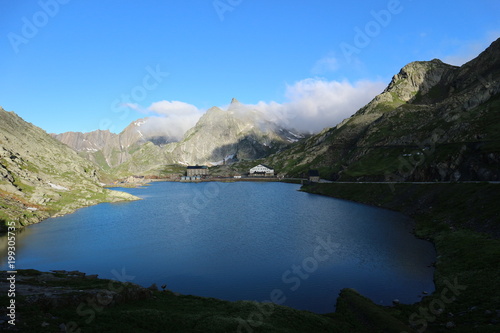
(84, 308)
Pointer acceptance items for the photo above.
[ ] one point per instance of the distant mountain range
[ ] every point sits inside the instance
(109, 150)
(434, 122)
(220, 136)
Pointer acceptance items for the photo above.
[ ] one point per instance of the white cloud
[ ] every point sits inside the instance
(167, 108)
(172, 119)
(314, 104)
(174, 126)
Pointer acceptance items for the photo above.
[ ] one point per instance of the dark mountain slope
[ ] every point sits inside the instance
(433, 122)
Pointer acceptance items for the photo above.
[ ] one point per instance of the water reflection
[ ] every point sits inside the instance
(4, 244)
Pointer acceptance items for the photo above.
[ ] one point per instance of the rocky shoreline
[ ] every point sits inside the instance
(23, 216)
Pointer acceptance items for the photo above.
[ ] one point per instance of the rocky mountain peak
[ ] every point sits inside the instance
(211, 114)
(418, 77)
(237, 106)
(413, 80)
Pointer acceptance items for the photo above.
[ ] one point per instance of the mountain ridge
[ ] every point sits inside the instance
(107, 149)
(239, 133)
(429, 106)
(42, 177)
(434, 121)
(218, 137)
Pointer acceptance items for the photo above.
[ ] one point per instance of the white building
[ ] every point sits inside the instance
(261, 170)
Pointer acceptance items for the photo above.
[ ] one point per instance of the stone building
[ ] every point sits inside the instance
(197, 170)
(314, 176)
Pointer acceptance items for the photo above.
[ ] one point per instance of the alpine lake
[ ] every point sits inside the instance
(262, 241)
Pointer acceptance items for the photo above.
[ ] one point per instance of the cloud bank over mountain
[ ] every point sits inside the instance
(314, 104)
(311, 105)
(174, 118)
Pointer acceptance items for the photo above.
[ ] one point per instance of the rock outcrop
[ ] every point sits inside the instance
(235, 133)
(41, 177)
(109, 150)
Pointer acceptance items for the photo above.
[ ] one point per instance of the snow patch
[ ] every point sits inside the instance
(221, 162)
(298, 136)
(58, 187)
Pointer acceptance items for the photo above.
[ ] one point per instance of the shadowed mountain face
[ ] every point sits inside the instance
(433, 122)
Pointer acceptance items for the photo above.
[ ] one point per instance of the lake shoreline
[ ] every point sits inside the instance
(461, 220)
(38, 216)
(42, 215)
(275, 213)
(471, 307)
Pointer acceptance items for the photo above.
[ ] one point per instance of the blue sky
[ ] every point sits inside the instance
(74, 65)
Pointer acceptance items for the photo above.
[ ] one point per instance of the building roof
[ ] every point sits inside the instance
(313, 173)
(197, 167)
(265, 166)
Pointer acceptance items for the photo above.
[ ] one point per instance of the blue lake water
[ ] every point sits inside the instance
(238, 241)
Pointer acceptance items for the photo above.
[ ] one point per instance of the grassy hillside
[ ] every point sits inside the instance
(42, 177)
